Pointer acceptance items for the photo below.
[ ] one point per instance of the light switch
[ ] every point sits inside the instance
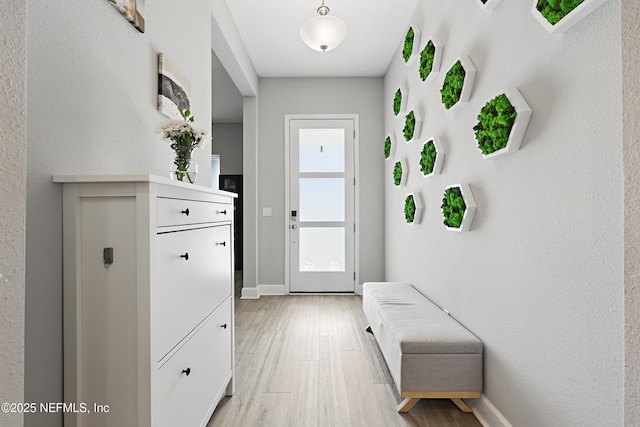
(266, 211)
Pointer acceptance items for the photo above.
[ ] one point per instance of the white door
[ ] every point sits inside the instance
(321, 206)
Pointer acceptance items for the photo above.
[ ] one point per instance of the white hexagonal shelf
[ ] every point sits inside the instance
(400, 97)
(569, 20)
(413, 53)
(390, 146)
(488, 4)
(467, 83)
(413, 208)
(437, 58)
(450, 212)
(417, 124)
(400, 173)
(430, 146)
(519, 127)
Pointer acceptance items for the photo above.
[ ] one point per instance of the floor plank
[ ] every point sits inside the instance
(306, 361)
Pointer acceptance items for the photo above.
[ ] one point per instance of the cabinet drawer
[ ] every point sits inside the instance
(187, 400)
(193, 278)
(179, 212)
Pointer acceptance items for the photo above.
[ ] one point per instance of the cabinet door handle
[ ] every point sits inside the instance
(186, 212)
(186, 371)
(185, 256)
(221, 243)
(223, 326)
(224, 212)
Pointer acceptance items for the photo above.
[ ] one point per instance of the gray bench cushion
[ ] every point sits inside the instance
(417, 325)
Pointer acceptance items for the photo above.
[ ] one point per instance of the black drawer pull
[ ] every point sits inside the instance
(221, 243)
(185, 256)
(224, 212)
(186, 371)
(223, 326)
(186, 212)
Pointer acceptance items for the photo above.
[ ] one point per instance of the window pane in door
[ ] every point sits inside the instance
(322, 249)
(322, 199)
(321, 150)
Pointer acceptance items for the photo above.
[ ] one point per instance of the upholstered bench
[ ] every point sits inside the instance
(429, 354)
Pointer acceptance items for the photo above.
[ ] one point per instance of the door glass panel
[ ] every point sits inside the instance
(321, 150)
(322, 249)
(322, 199)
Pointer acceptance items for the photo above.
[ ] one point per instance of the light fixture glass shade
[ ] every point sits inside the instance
(323, 32)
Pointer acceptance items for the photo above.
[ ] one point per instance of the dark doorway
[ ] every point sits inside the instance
(233, 184)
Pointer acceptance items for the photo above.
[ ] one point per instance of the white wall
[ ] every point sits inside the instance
(631, 103)
(227, 142)
(92, 94)
(539, 278)
(13, 149)
(278, 97)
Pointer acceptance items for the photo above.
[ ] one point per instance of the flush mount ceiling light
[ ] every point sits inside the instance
(323, 32)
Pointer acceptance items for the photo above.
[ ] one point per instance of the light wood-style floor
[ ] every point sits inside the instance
(306, 361)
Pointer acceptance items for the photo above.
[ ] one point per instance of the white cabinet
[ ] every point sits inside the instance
(149, 334)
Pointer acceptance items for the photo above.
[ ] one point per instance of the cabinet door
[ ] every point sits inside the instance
(193, 380)
(194, 277)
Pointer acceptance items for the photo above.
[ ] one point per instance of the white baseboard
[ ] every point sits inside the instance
(255, 293)
(249, 293)
(271, 289)
(486, 413)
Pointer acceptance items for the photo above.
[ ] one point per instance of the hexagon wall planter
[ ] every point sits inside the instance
(439, 157)
(436, 58)
(469, 208)
(488, 4)
(412, 119)
(400, 98)
(390, 147)
(519, 127)
(467, 85)
(571, 19)
(412, 208)
(410, 50)
(400, 173)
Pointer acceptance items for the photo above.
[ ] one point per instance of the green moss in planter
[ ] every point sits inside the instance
(555, 10)
(426, 60)
(397, 173)
(453, 207)
(428, 158)
(397, 101)
(387, 147)
(408, 45)
(452, 86)
(409, 209)
(495, 121)
(409, 126)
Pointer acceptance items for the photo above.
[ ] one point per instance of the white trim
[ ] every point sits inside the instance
(271, 290)
(487, 413)
(250, 293)
(256, 293)
(572, 18)
(356, 194)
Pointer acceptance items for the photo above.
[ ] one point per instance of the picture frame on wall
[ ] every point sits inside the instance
(129, 10)
(173, 89)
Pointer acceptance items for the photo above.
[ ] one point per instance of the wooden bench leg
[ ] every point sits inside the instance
(407, 404)
(463, 406)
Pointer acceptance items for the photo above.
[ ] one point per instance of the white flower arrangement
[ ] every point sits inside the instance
(184, 138)
(182, 134)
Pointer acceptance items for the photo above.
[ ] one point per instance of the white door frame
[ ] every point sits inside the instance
(356, 193)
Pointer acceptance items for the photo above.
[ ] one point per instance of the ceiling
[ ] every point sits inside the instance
(270, 32)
